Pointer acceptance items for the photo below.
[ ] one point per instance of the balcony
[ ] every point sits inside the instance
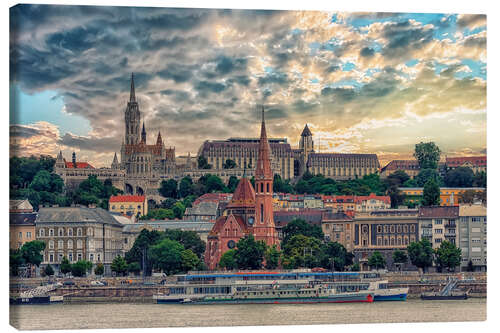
(450, 225)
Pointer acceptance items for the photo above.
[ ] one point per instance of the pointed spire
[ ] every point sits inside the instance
(263, 167)
(306, 131)
(115, 159)
(59, 156)
(159, 141)
(143, 134)
(132, 89)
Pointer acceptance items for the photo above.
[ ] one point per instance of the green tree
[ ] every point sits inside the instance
(421, 254)
(178, 210)
(397, 197)
(432, 195)
(99, 269)
(81, 267)
(470, 196)
(214, 184)
(189, 239)
(15, 261)
(119, 265)
(301, 227)
(480, 179)
(399, 257)
(355, 267)
(229, 164)
(427, 174)
(336, 254)
(282, 186)
(398, 177)
(228, 260)
(448, 255)
(140, 249)
(168, 188)
(302, 251)
(190, 260)
(65, 266)
(232, 184)
(32, 252)
(134, 267)
(470, 266)
(202, 163)
(272, 257)
(167, 256)
(459, 177)
(250, 253)
(410, 183)
(376, 260)
(48, 270)
(427, 155)
(185, 187)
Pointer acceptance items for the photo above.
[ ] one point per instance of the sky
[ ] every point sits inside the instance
(363, 82)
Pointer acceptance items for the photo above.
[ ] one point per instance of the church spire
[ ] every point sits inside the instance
(132, 89)
(143, 134)
(263, 168)
(159, 141)
(115, 165)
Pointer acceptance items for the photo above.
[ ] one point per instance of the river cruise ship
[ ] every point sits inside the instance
(298, 286)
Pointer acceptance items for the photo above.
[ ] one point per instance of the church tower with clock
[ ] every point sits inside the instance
(250, 211)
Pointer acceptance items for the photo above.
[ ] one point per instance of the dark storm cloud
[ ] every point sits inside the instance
(177, 72)
(90, 143)
(404, 37)
(274, 77)
(226, 65)
(367, 52)
(23, 131)
(475, 42)
(204, 87)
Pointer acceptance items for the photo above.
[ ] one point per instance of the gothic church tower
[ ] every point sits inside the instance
(264, 228)
(132, 117)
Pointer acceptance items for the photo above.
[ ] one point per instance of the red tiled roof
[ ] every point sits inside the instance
(127, 198)
(244, 194)
(458, 161)
(385, 198)
(79, 165)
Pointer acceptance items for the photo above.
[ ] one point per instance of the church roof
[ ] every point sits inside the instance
(79, 165)
(221, 221)
(306, 131)
(244, 194)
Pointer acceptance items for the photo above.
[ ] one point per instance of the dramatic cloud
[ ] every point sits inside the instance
(358, 79)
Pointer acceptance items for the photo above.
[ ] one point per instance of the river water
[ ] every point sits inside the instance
(136, 315)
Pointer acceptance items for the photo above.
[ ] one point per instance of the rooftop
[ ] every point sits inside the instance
(127, 198)
(75, 214)
(22, 218)
(438, 211)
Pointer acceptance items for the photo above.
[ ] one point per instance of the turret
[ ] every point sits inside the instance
(60, 160)
(159, 141)
(132, 117)
(115, 164)
(143, 134)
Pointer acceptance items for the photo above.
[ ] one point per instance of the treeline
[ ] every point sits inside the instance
(303, 246)
(34, 179)
(171, 251)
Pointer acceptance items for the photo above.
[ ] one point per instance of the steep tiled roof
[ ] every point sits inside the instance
(331, 216)
(203, 208)
(244, 194)
(79, 165)
(221, 221)
(385, 198)
(458, 161)
(20, 205)
(306, 131)
(75, 214)
(438, 211)
(127, 198)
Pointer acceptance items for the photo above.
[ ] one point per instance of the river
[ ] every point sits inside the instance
(136, 315)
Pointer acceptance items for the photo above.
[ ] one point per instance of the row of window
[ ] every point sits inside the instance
(123, 207)
(28, 235)
(386, 241)
(64, 232)
(395, 228)
(60, 244)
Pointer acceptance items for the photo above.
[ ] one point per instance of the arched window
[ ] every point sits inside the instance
(261, 213)
(60, 244)
(267, 187)
(261, 187)
(60, 232)
(41, 232)
(79, 244)
(51, 232)
(70, 244)
(89, 231)
(51, 244)
(70, 232)
(79, 231)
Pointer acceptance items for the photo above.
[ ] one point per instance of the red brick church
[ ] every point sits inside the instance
(249, 212)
